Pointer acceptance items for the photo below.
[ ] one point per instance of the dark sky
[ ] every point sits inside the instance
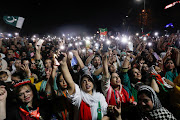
(54, 16)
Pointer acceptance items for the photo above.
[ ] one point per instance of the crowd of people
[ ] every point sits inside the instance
(99, 77)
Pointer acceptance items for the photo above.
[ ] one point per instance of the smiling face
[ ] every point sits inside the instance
(26, 94)
(136, 74)
(87, 85)
(115, 80)
(48, 63)
(96, 61)
(145, 103)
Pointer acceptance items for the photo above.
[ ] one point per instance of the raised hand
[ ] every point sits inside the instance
(63, 61)
(3, 93)
(26, 69)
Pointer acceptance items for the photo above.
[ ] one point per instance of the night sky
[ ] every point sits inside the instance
(51, 16)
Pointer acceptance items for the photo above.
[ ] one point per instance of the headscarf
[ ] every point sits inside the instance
(158, 112)
(155, 100)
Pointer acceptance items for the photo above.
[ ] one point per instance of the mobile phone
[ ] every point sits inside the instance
(156, 56)
(40, 42)
(88, 43)
(60, 57)
(74, 61)
(130, 46)
(1, 35)
(105, 47)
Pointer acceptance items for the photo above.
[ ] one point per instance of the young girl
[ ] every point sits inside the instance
(91, 104)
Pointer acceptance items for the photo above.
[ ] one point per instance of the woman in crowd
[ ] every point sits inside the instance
(28, 105)
(91, 104)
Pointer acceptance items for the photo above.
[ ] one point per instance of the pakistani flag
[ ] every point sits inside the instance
(103, 31)
(147, 34)
(14, 21)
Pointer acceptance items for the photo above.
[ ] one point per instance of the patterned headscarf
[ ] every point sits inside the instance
(155, 100)
(159, 112)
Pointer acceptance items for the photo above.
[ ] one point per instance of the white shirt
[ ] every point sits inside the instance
(91, 100)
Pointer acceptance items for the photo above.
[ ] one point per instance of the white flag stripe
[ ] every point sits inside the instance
(20, 22)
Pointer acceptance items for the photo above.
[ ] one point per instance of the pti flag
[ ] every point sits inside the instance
(14, 21)
(103, 31)
(147, 34)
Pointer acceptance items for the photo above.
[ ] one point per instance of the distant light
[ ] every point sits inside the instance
(127, 16)
(76, 44)
(96, 44)
(16, 34)
(80, 43)
(117, 38)
(124, 39)
(9, 35)
(70, 53)
(137, 34)
(87, 42)
(88, 38)
(70, 45)
(156, 33)
(108, 42)
(84, 50)
(112, 37)
(149, 44)
(62, 47)
(144, 38)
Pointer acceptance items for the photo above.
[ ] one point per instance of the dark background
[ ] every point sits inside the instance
(57, 17)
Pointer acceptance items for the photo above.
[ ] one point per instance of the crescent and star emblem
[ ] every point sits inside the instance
(10, 19)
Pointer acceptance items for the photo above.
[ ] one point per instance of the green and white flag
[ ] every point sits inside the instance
(14, 21)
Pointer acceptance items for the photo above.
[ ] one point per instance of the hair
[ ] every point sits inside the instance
(35, 95)
(11, 49)
(3, 72)
(18, 74)
(58, 79)
(25, 59)
(89, 78)
(131, 75)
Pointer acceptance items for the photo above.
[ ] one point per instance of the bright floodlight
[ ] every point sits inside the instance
(137, 34)
(124, 39)
(156, 33)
